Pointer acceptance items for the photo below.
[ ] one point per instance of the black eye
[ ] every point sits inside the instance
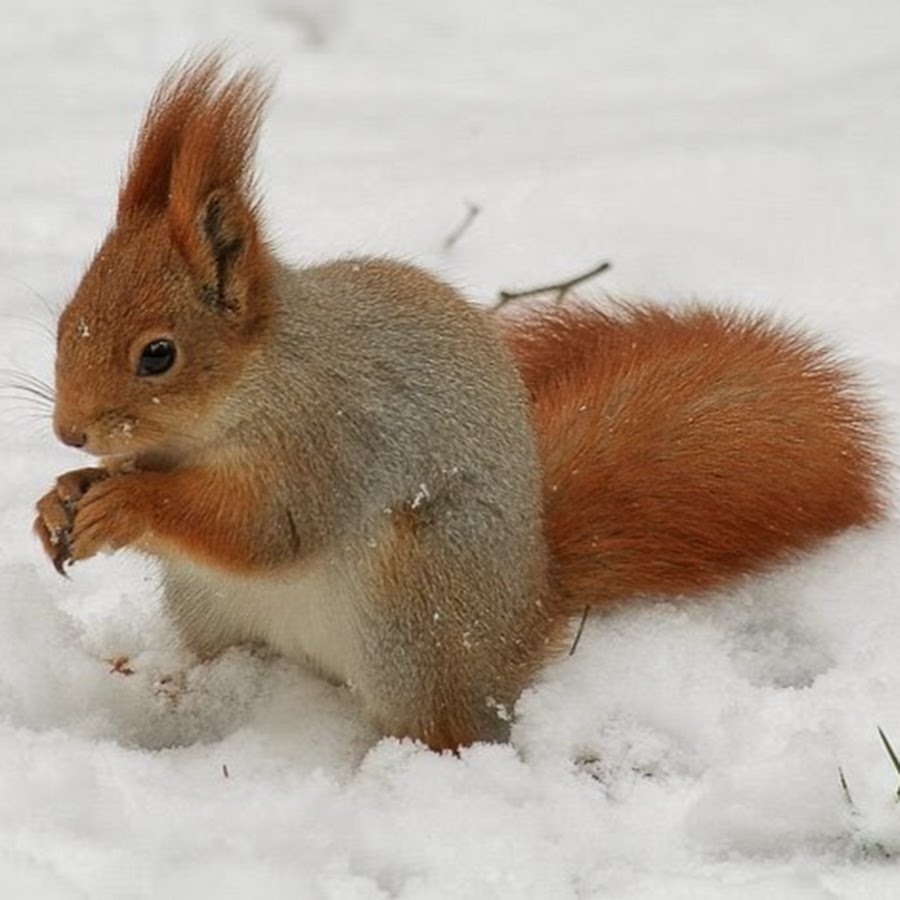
(157, 357)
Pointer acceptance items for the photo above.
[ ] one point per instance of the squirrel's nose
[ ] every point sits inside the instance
(71, 436)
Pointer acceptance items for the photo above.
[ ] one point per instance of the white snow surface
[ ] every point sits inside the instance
(742, 152)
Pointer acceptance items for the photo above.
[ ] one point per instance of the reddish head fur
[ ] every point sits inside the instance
(185, 263)
(683, 449)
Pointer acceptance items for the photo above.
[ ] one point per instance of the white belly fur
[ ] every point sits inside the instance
(305, 615)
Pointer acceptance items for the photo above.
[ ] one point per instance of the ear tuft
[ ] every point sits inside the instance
(192, 163)
(199, 133)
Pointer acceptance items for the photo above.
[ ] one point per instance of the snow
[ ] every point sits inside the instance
(743, 152)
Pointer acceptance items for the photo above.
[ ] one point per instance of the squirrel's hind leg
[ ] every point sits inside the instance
(447, 634)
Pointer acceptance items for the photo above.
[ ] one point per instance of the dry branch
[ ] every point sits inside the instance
(473, 210)
(560, 287)
(581, 624)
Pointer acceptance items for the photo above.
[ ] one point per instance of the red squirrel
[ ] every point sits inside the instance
(352, 465)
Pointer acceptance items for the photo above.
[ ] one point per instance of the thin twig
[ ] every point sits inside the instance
(473, 210)
(581, 624)
(120, 665)
(845, 788)
(891, 754)
(561, 287)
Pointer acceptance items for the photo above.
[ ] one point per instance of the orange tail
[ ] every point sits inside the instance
(682, 449)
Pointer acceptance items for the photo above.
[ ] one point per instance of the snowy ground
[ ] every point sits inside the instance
(738, 151)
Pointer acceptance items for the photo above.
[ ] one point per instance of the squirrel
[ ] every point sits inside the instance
(353, 466)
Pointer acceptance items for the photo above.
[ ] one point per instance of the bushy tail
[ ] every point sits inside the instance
(682, 449)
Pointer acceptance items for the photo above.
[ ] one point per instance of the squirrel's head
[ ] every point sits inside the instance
(178, 298)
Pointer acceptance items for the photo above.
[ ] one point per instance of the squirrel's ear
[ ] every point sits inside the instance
(226, 253)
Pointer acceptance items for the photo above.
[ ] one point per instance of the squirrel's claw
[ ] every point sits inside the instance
(53, 526)
(56, 512)
(62, 542)
(56, 544)
(59, 562)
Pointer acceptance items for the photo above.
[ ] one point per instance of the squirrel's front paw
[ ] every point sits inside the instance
(56, 513)
(107, 517)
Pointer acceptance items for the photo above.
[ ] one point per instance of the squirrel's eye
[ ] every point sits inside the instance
(157, 357)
